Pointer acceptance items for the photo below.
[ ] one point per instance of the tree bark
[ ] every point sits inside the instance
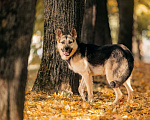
(87, 34)
(95, 29)
(54, 74)
(126, 22)
(16, 26)
(102, 29)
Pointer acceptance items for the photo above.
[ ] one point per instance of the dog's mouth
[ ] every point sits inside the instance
(66, 52)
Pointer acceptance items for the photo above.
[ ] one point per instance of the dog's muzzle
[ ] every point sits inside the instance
(66, 50)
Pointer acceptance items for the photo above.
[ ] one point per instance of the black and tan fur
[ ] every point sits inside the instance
(114, 61)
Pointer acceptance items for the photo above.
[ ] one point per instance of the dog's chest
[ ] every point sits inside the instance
(78, 66)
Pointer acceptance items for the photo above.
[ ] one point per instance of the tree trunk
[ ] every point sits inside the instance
(102, 29)
(54, 74)
(126, 22)
(95, 28)
(16, 26)
(87, 34)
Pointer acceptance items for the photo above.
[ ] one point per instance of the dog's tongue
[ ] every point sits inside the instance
(66, 53)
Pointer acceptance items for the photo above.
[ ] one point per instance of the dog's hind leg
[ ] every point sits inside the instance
(110, 77)
(129, 89)
(81, 89)
(118, 95)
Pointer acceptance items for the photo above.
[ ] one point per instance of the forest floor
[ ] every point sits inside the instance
(65, 106)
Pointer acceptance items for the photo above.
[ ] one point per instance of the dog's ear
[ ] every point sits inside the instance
(73, 33)
(58, 34)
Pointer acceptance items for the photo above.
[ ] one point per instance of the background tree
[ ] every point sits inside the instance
(95, 28)
(16, 26)
(102, 30)
(54, 74)
(126, 22)
(87, 34)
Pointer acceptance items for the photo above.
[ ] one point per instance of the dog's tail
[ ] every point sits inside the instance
(128, 71)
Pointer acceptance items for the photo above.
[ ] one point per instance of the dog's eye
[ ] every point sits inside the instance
(70, 42)
(62, 42)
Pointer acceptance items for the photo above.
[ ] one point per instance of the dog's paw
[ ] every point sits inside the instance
(83, 98)
(90, 101)
(110, 103)
(113, 103)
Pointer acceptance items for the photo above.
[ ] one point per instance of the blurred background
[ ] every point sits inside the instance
(141, 33)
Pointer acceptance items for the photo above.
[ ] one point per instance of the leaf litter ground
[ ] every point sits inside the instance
(65, 106)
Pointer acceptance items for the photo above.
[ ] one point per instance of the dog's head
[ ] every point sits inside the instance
(66, 44)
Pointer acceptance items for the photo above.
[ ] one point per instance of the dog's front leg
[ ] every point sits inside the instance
(81, 89)
(89, 84)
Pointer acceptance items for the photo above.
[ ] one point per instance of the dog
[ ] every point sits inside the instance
(115, 61)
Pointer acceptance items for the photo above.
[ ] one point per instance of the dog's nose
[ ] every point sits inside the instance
(66, 48)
